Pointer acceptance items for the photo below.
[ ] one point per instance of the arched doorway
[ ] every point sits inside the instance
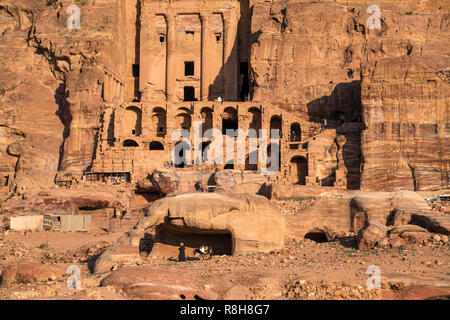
(255, 124)
(206, 147)
(272, 150)
(296, 132)
(251, 161)
(180, 154)
(133, 121)
(156, 145)
(276, 124)
(299, 169)
(130, 143)
(229, 120)
(184, 119)
(207, 118)
(160, 120)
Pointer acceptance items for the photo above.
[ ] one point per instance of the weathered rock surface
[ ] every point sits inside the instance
(404, 234)
(432, 222)
(373, 235)
(254, 222)
(68, 201)
(376, 235)
(239, 181)
(31, 272)
(156, 283)
(352, 211)
(399, 217)
(417, 292)
(405, 106)
(170, 181)
(55, 81)
(278, 191)
(51, 87)
(301, 56)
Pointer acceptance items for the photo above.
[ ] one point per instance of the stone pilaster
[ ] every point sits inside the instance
(206, 46)
(231, 57)
(171, 81)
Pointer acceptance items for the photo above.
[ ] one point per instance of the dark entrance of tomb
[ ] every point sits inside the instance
(180, 152)
(168, 238)
(299, 167)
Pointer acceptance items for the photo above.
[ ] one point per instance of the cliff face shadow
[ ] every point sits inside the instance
(240, 66)
(64, 116)
(342, 111)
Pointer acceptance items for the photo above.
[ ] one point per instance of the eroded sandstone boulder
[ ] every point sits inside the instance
(156, 283)
(173, 181)
(352, 211)
(239, 181)
(254, 222)
(68, 201)
(404, 234)
(31, 273)
(376, 235)
(399, 217)
(371, 236)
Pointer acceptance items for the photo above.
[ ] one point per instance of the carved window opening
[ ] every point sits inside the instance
(299, 169)
(276, 124)
(189, 68)
(189, 94)
(218, 37)
(160, 119)
(296, 132)
(133, 119)
(130, 143)
(156, 145)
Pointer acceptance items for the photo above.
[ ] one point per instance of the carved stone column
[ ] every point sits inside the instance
(206, 46)
(145, 43)
(231, 57)
(171, 61)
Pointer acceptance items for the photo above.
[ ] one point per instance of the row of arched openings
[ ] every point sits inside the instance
(133, 121)
(299, 164)
(154, 145)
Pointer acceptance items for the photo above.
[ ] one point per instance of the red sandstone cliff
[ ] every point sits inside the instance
(300, 57)
(51, 83)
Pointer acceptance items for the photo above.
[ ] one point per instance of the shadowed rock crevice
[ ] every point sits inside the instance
(342, 111)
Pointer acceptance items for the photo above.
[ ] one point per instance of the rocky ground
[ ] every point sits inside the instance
(303, 269)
